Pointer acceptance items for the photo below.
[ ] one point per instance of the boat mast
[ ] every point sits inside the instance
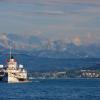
(10, 52)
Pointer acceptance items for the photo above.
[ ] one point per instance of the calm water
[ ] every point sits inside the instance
(70, 89)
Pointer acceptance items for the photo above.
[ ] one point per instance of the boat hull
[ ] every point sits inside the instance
(13, 79)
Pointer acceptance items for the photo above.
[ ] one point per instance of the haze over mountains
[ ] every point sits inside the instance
(40, 47)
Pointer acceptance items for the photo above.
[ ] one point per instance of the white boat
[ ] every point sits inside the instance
(14, 73)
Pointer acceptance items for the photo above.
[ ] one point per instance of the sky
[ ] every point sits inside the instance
(68, 20)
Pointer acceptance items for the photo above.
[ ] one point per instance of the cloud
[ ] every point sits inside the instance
(77, 40)
(4, 41)
(54, 1)
(91, 10)
(51, 18)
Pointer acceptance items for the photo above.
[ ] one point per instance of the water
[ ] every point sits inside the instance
(69, 89)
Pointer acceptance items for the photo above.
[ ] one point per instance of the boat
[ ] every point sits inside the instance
(14, 73)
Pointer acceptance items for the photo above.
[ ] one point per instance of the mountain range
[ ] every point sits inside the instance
(44, 55)
(38, 47)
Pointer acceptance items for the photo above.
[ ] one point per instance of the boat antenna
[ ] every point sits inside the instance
(10, 52)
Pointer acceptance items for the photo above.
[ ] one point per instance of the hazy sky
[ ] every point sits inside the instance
(75, 20)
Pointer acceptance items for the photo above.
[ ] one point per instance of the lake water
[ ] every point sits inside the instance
(68, 89)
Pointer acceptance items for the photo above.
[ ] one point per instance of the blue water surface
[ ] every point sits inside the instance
(62, 89)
